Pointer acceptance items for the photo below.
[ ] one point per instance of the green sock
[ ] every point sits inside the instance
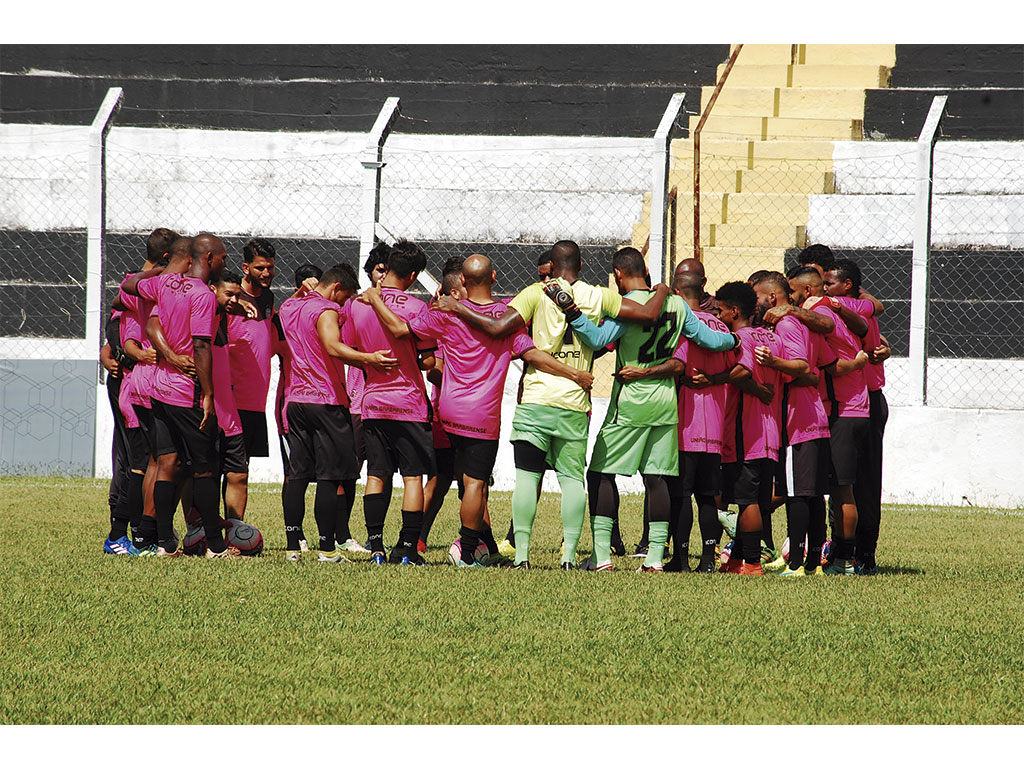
(602, 538)
(574, 510)
(656, 548)
(524, 510)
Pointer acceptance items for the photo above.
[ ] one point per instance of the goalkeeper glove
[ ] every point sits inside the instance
(563, 300)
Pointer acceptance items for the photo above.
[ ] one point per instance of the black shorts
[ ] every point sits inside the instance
(179, 427)
(137, 447)
(254, 430)
(444, 460)
(473, 456)
(700, 473)
(145, 417)
(320, 442)
(360, 439)
(749, 482)
(231, 450)
(803, 469)
(405, 446)
(847, 443)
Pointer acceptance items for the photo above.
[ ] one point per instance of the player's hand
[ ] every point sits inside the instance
(860, 360)
(814, 301)
(630, 373)
(766, 393)
(381, 360)
(773, 315)
(183, 364)
(880, 354)
(699, 380)
(445, 304)
(112, 366)
(763, 355)
(563, 300)
(309, 284)
(208, 412)
(584, 379)
(148, 356)
(370, 296)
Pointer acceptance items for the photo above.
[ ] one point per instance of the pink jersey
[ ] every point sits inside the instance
(315, 376)
(356, 384)
(398, 394)
(124, 403)
(805, 415)
(851, 391)
(250, 347)
(187, 308)
(702, 411)
(874, 374)
(223, 397)
(133, 326)
(474, 370)
(759, 423)
(284, 352)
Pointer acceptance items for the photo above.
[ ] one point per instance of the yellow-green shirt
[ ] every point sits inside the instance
(552, 334)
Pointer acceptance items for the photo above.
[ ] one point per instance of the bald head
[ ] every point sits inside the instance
(689, 285)
(477, 270)
(690, 266)
(208, 254)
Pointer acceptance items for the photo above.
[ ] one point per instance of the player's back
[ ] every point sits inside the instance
(250, 349)
(398, 394)
(851, 391)
(702, 411)
(756, 423)
(314, 376)
(805, 416)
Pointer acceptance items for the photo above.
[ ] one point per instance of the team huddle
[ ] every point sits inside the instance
(768, 393)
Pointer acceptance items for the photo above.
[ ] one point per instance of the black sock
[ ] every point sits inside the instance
(436, 502)
(205, 499)
(375, 509)
(511, 533)
(145, 534)
(294, 512)
(135, 499)
(751, 543)
(344, 504)
(118, 522)
(798, 516)
(164, 493)
(842, 549)
(815, 533)
(645, 537)
(325, 510)
(470, 541)
(412, 521)
(710, 529)
(683, 514)
(487, 537)
(766, 526)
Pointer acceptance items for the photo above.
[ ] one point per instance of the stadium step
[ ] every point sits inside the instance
(807, 75)
(765, 234)
(884, 54)
(750, 208)
(807, 177)
(786, 102)
(765, 127)
(723, 264)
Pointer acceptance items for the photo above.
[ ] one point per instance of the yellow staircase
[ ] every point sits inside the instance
(766, 146)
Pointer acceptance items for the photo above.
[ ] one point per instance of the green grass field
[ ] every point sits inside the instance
(89, 638)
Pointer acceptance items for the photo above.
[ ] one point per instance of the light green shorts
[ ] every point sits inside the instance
(622, 450)
(560, 433)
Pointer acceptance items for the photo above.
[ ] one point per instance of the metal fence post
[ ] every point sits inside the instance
(659, 187)
(97, 224)
(919, 288)
(372, 162)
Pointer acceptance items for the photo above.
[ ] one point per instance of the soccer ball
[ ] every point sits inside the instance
(247, 538)
(455, 551)
(826, 552)
(194, 542)
(726, 552)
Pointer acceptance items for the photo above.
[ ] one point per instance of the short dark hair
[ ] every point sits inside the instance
(227, 276)
(818, 254)
(776, 279)
(740, 295)
(796, 272)
(258, 246)
(630, 262)
(406, 258)
(452, 265)
(379, 254)
(565, 254)
(847, 269)
(688, 284)
(307, 271)
(450, 281)
(159, 242)
(757, 276)
(544, 258)
(343, 274)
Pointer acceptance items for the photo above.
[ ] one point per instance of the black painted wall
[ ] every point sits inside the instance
(597, 90)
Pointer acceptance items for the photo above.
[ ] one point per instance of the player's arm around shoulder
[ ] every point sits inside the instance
(635, 312)
(392, 323)
(703, 335)
(329, 332)
(544, 362)
(514, 318)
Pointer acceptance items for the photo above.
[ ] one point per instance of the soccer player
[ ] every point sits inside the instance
(119, 496)
(804, 447)
(751, 436)
(694, 266)
(844, 282)
(184, 414)
(319, 428)
(551, 419)
(250, 349)
(640, 427)
(701, 414)
(396, 419)
(845, 398)
(472, 387)
(544, 265)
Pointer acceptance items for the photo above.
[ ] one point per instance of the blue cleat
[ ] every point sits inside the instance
(149, 551)
(378, 558)
(415, 560)
(474, 564)
(121, 546)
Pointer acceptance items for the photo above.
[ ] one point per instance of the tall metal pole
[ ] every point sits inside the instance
(919, 288)
(659, 187)
(372, 162)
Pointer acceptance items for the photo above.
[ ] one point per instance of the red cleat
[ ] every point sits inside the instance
(751, 570)
(421, 546)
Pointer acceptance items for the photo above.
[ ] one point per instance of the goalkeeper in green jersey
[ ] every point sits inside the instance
(552, 418)
(639, 430)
